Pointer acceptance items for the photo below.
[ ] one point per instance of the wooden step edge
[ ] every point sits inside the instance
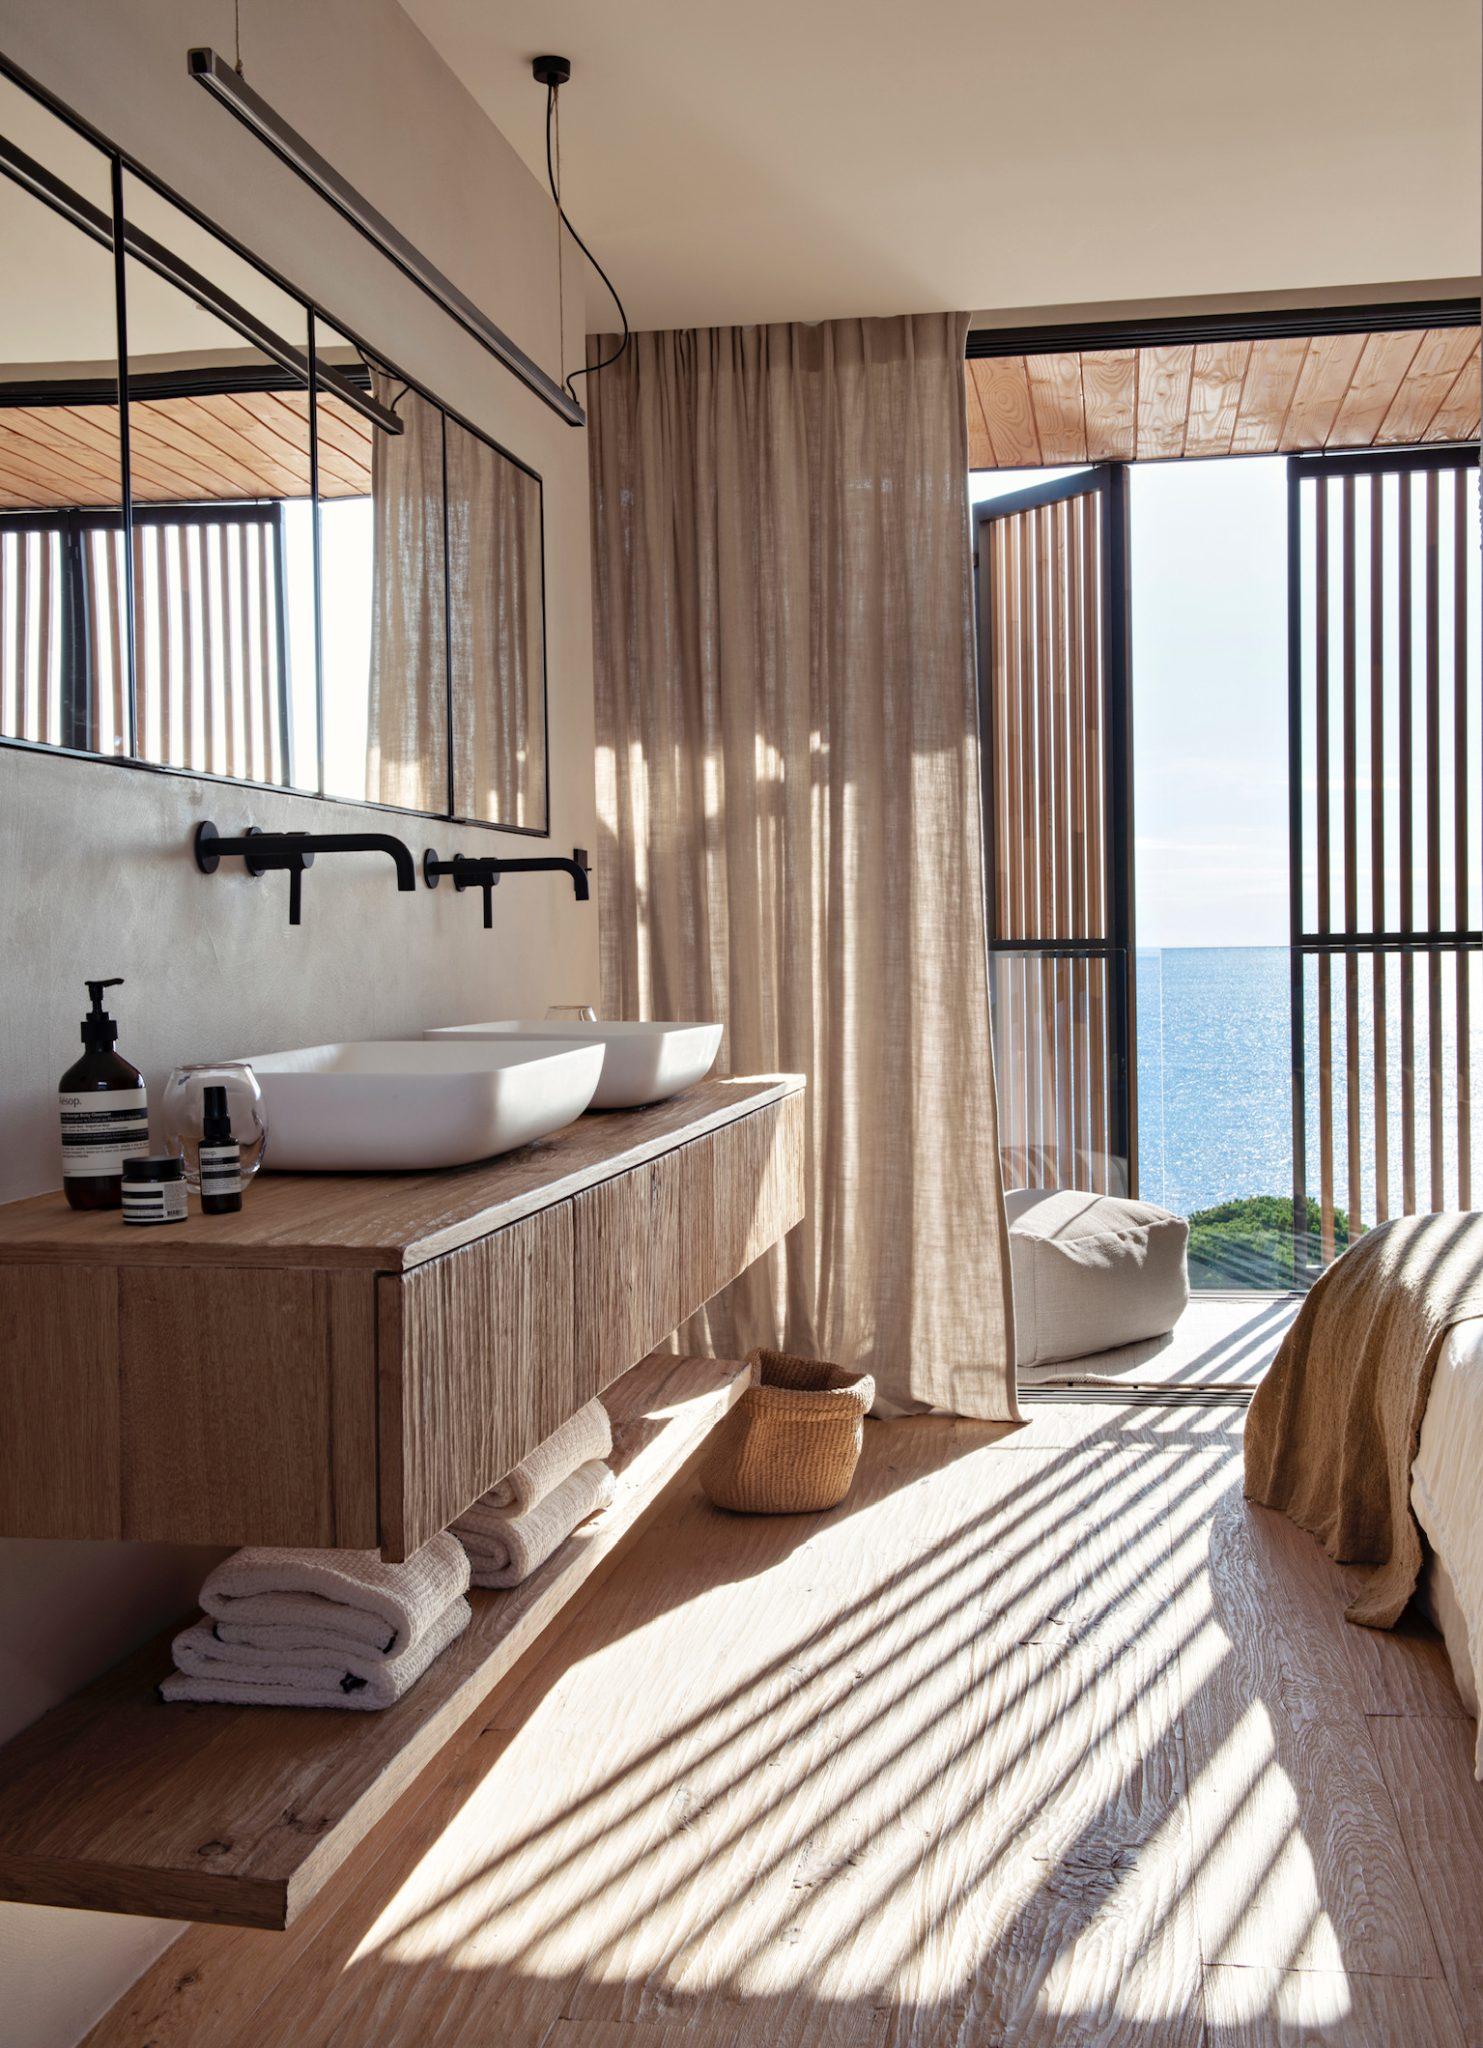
(219, 1819)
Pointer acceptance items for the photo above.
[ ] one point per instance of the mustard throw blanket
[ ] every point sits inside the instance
(1332, 1430)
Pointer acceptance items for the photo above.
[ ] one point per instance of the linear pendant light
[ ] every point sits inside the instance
(234, 93)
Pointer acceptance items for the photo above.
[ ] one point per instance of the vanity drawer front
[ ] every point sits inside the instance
(476, 1367)
(654, 1245)
(181, 1405)
(623, 1240)
(59, 1402)
(757, 1194)
(487, 1350)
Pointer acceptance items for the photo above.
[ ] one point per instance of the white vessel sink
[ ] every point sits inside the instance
(369, 1107)
(641, 1062)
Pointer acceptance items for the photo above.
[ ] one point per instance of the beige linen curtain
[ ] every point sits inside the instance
(788, 779)
(407, 740)
(495, 628)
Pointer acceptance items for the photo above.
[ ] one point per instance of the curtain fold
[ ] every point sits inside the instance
(788, 783)
(407, 740)
(496, 645)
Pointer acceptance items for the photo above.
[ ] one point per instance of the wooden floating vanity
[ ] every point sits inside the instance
(117, 1802)
(350, 1361)
(353, 1359)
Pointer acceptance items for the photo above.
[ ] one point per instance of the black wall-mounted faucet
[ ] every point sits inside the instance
(485, 871)
(264, 852)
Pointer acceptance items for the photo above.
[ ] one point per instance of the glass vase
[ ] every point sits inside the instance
(183, 1110)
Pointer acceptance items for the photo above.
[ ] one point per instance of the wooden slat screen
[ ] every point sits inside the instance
(1051, 1059)
(1048, 763)
(207, 611)
(31, 635)
(107, 630)
(1389, 715)
(1043, 595)
(1391, 1076)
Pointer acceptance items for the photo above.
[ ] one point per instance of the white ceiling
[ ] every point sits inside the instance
(806, 159)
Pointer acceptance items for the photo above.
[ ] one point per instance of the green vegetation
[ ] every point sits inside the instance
(1248, 1243)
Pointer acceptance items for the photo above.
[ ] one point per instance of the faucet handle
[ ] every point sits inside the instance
(295, 859)
(467, 873)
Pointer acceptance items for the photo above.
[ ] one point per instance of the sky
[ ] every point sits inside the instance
(1208, 549)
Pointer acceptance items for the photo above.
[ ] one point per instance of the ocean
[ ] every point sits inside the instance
(1214, 1086)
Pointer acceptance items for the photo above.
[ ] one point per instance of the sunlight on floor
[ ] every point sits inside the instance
(961, 1721)
(1246, 1821)
(1027, 1744)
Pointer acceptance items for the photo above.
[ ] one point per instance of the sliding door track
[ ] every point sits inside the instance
(1142, 1396)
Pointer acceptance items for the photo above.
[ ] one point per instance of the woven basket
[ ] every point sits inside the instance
(791, 1444)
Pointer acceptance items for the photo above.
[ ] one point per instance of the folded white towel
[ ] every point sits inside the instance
(588, 1435)
(237, 1675)
(348, 1596)
(341, 1632)
(505, 1548)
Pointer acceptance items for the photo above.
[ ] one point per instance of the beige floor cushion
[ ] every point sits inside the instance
(1092, 1272)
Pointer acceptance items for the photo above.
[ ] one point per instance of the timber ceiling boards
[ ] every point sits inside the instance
(218, 448)
(1278, 395)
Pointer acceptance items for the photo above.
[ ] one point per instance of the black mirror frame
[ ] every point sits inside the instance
(126, 243)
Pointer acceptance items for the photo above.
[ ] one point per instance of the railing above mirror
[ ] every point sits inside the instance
(234, 542)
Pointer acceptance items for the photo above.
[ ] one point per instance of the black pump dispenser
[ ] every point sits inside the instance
(99, 1031)
(104, 1112)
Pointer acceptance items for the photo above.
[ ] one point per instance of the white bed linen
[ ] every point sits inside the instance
(1447, 1495)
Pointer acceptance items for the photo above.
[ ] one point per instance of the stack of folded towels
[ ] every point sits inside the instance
(321, 1628)
(518, 1524)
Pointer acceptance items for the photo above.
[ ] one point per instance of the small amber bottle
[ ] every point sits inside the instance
(220, 1157)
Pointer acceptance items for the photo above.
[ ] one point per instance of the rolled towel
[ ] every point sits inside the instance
(239, 1676)
(587, 1436)
(505, 1548)
(343, 1599)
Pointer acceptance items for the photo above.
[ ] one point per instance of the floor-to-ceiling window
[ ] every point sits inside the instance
(1387, 702)
(1208, 576)
(1303, 712)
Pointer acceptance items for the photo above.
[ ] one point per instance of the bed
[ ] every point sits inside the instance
(1367, 1430)
(1447, 1499)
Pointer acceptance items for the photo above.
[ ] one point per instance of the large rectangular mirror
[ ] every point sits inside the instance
(385, 599)
(221, 476)
(334, 585)
(63, 601)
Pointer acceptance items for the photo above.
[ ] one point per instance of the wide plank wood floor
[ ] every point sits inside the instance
(1045, 1737)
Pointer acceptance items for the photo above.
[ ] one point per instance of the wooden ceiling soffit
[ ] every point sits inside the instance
(1171, 400)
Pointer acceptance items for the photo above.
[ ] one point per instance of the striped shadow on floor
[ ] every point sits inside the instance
(1221, 1340)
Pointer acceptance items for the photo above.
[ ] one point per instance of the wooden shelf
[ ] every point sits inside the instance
(388, 1222)
(116, 1802)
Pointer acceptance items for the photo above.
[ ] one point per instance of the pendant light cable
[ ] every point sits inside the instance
(553, 133)
(553, 115)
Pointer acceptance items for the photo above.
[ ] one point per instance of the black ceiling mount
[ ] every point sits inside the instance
(551, 70)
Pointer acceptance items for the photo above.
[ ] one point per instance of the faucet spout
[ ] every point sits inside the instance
(266, 852)
(483, 872)
(578, 867)
(368, 842)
